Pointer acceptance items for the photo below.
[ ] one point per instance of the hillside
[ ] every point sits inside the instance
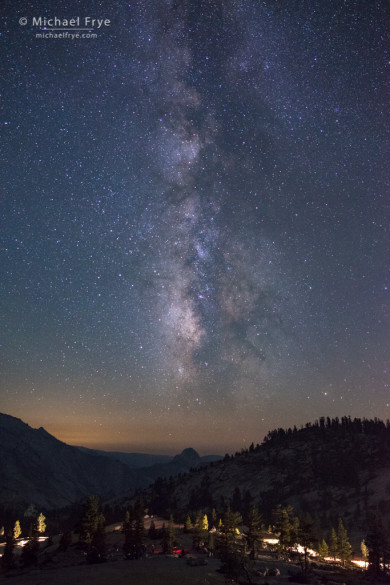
(38, 468)
(330, 469)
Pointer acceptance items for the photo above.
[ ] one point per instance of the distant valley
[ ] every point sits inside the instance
(37, 468)
(330, 468)
(297, 484)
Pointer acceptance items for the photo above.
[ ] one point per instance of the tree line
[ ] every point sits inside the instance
(11, 534)
(232, 536)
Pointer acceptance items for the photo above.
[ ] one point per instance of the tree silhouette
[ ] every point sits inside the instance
(169, 536)
(97, 549)
(129, 536)
(285, 525)
(323, 550)
(197, 535)
(7, 560)
(230, 546)
(378, 544)
(255, 527)
(364, 551)
(30, 550)
(344, 549)
(139, 529)
(92, 530)
(234, 561)
(306, 540)
(89, 520)
(333, 544)
(188, 526)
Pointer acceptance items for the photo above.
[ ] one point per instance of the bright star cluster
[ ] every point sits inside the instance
(195, 220)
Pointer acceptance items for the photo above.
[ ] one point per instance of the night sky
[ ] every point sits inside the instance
(195, 220)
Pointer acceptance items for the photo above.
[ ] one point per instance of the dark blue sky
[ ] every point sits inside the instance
(195, 220)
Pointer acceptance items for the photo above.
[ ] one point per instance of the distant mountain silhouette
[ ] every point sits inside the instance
(188, 456)
(133, 460)
(188, 459)
(37, 468)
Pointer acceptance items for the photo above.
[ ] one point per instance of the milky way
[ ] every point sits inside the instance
(195, 221)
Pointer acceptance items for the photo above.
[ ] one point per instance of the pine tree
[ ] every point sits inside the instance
(169, 536)
(305, 539)
(172, 532)
(197, 532)
(127, 528)
(17, 530)
(139, 528)
(214, 518)
(97, 549)
(205, 523)
(378, 543)
(211, 543)
(255, 527)
(344, 548)
(7, 560)
(230, 522)
(285, 526)
(89, 520)
(92, 530)
(188, 524)
(231, 549)
(30, 550)
(364, 551)
(323, 550)
(333, 544)
(40, 523)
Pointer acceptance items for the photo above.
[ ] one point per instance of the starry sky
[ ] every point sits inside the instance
(195, 219)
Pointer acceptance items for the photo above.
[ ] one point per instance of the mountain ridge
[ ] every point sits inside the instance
(330, 469)
(38, 468)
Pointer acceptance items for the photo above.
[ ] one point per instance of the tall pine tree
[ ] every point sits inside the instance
(333, 544)
(169, 537)
(285, 525)
(127, 529)
(378, 544)
(230, 548)
(344, 549)
(323, 549)
(255, 527)
(89, 520)
(7, 560)
(41, 524)
(139, 529)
